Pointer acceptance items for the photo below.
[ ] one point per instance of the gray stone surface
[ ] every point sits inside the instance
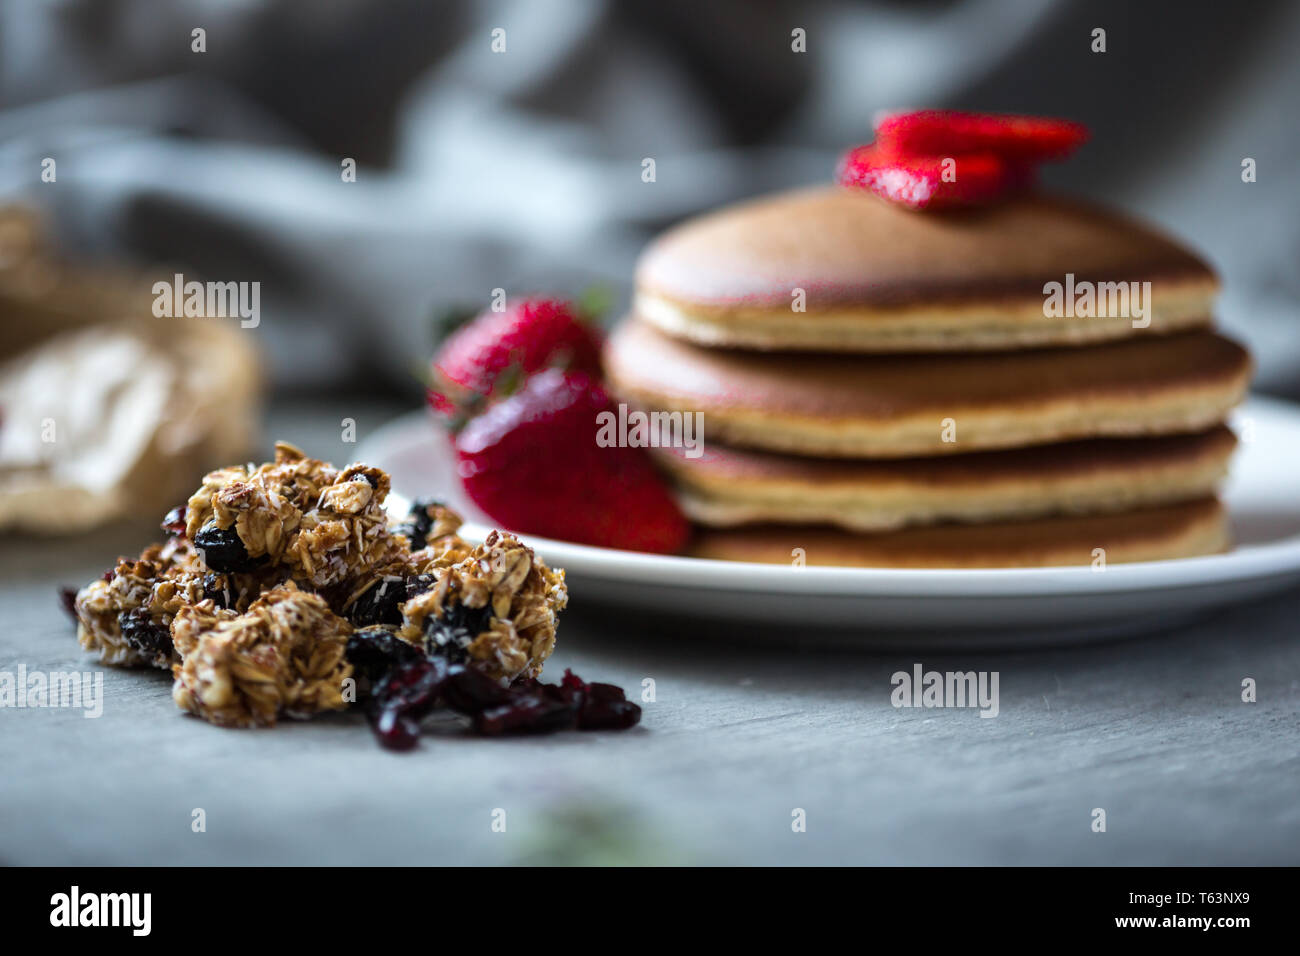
(1152, 730)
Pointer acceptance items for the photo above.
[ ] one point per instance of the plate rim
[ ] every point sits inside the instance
(1257, 562)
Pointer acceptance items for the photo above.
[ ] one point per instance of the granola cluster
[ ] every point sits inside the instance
(321, 524)
(284, 655)
(252, 604)
(517, 596)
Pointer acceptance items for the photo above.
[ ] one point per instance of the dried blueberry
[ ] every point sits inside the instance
(143, 634)
(374, 651)
(419, 584)
(449, 635)
(68, 598)
(222, 550)
(380, 604)
(216, 588)
(418, 522)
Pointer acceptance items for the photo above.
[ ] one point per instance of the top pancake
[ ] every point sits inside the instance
(880, 278)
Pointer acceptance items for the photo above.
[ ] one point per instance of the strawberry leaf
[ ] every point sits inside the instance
(593, 302)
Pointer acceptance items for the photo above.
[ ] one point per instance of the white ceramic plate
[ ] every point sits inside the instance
(887, 607)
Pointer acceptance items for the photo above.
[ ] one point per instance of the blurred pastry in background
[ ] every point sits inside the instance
(107, 411)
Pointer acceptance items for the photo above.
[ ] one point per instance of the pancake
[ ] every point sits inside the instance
(726, 486)
(881, 278)
(895, 406)
(1171, 531)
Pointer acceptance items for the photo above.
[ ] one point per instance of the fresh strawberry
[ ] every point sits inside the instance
(1025, 139)
(532, 463)
(931, 182)
(475, 362)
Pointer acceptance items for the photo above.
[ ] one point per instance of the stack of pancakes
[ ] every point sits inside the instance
(882, 387)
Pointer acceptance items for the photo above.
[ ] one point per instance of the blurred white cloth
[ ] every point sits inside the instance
(522, 169)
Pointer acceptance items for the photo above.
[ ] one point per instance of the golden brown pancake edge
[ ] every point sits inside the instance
(1186, 529)
(896, 405)
(727, 487)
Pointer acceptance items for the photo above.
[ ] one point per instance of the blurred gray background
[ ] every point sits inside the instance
(522, 169)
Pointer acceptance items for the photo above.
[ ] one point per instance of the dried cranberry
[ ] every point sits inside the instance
(449, 635)
(418, 523)
(374, 651)
(143, 634)
(174, 521)
(597, 714)
(396, 730)
(534, 713)
(411, 688)
(470, 691)
(405, 694)
(599, 706)
(68, 598)
(222, 550)
(604, 692)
